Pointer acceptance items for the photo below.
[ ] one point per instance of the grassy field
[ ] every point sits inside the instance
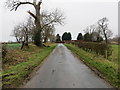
(17, 45)
(18, 64)
(107, 68)
(114, 56)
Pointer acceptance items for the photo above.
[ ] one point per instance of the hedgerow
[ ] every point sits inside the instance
(98, 48)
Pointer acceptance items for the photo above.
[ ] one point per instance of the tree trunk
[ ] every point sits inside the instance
(38, 36)
(105, 36)
(26, 40)
(22, 44)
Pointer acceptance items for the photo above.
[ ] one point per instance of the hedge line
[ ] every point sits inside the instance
(98, 48)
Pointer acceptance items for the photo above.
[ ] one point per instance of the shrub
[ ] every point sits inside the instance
(4, 50)
(99, 48)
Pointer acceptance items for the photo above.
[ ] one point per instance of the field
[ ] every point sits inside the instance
(17, 45)
(107, 68)
(18, 64)
(114, 56)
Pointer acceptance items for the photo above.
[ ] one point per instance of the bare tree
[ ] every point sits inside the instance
(48, 31)
(90, 29)
(17, 34)
(52, 35)
(48, 22)
(52, 18)
(15, 4)
(27, 31)
(23, 32)
(103, 27)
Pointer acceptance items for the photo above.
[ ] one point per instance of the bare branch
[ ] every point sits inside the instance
(39, 3)
(32, 14)
(16, 4)
(55, 17)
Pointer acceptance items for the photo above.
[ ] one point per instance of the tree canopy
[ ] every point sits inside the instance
(66, 36)
(80, 37)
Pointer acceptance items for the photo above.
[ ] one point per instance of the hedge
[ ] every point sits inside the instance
(98, 48)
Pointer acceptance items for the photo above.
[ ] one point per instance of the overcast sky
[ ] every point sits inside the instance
(79, 14)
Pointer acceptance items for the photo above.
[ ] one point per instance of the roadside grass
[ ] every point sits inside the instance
(15, 74)
(108, 69)
(15, 55)
(114, 57)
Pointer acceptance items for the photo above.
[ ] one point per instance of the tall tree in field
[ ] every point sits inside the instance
(80, 37)
(103, 25)
(15, 4)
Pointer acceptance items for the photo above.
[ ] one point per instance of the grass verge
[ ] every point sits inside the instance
(114, 56)
(14, 76)
(108, 70)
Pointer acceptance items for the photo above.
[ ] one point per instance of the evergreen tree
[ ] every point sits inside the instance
(69, 36)
(80, 37)
(64, 36)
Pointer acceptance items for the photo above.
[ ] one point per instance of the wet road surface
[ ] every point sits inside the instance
(63, 70)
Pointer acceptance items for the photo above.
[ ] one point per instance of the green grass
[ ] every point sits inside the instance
(105, 67)
(15, 76)
(16, 45)
(115, 48)
(114, 56)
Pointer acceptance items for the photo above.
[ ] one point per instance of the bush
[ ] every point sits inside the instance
(99, 48)
(4, 50)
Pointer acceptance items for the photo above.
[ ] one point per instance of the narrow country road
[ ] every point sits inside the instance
(63, 70)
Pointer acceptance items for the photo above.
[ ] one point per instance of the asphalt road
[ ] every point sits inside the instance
(63, 70)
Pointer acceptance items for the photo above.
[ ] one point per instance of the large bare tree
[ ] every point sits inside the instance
(15, 4)
(45, 18)
(103, 27)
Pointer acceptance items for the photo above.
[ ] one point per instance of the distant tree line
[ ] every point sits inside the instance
(66, 36)
(98, 32)
(93, 33)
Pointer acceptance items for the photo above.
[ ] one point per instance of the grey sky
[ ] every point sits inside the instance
(79, 14)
